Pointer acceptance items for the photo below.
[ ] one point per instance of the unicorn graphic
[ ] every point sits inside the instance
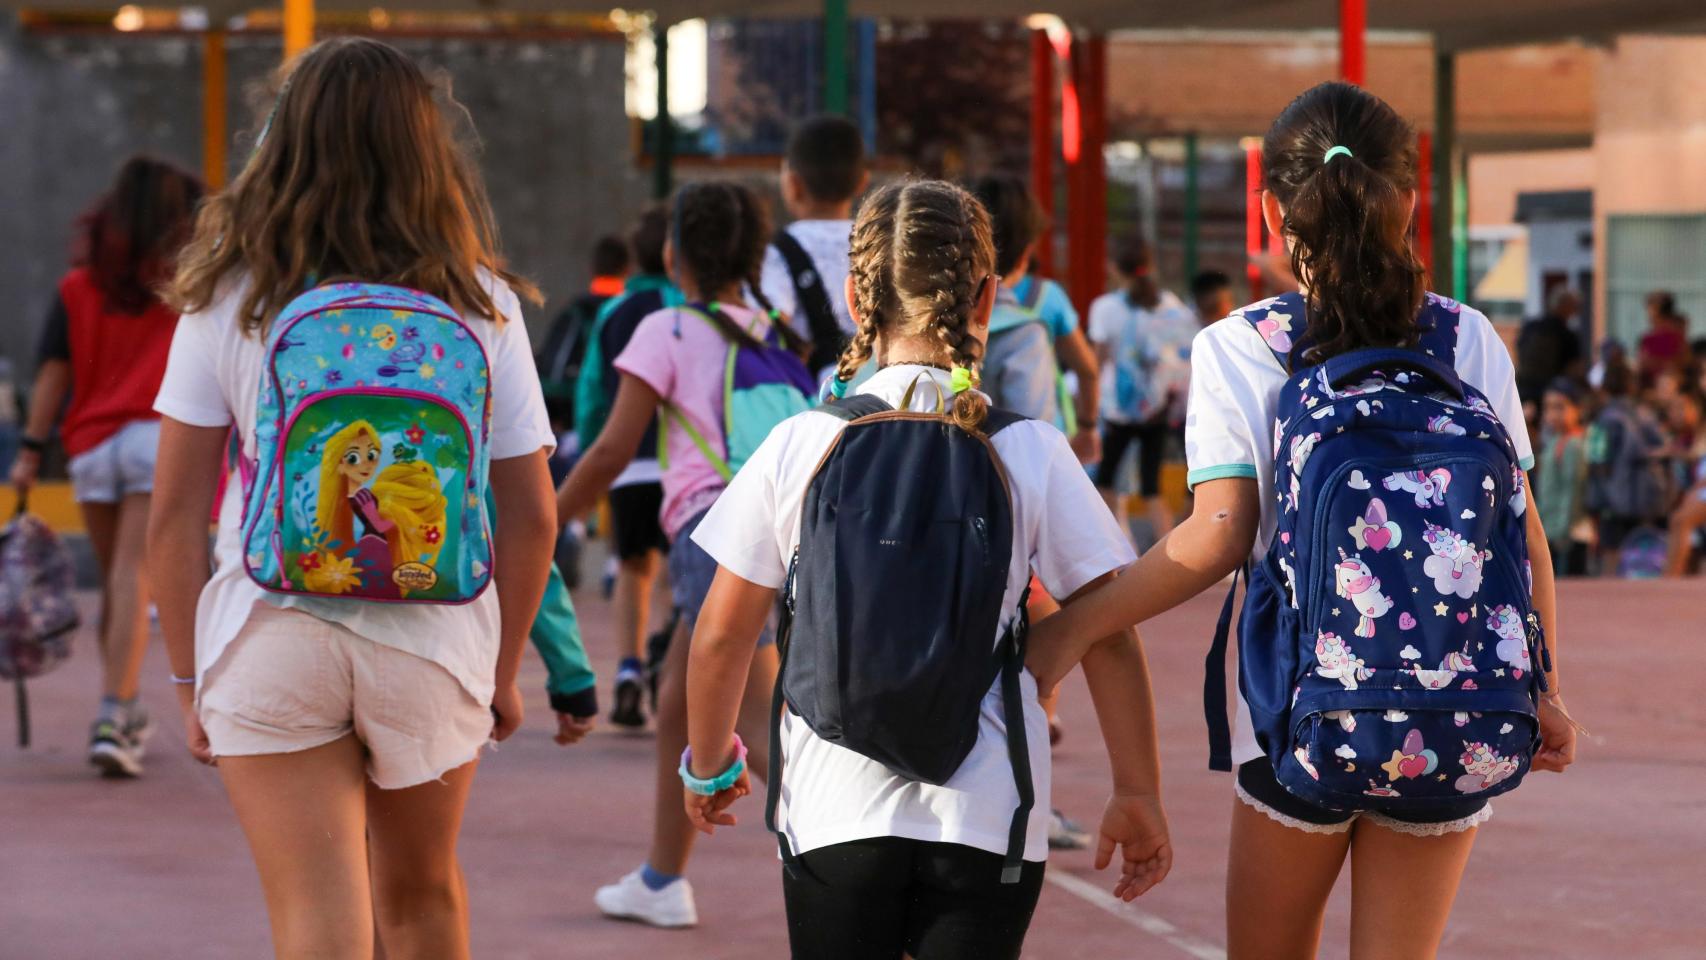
(1456, 563)
(1483, 768)
(1506, 623)
(1358, 584)
(1429, 488)
(1335, 660)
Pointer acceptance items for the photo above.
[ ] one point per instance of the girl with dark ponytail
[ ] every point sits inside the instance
(1340, 187)
(673, 368)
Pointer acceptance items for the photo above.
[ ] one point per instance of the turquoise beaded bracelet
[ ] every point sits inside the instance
(718, 783)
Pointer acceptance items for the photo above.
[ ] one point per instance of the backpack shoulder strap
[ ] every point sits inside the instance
(998, 420)
(1291, 304)
(1033, 294)
(854, 407)
(813, 299)
(1438, 321)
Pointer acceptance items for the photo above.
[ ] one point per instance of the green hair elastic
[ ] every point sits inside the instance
(959, 380)
(1335, 151)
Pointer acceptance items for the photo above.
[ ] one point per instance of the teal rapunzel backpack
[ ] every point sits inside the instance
(369, 475)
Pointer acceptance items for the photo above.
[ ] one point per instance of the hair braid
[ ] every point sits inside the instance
(921, 252)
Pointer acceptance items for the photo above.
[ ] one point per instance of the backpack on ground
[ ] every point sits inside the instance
(893, 598)
(370, 468)
(813, 300)
(38, 611)
(761, 388)
(1020, 370)
(1389, 649)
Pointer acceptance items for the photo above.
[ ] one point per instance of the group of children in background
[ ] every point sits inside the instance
(347, 732)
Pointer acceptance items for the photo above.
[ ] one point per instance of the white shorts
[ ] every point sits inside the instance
(119, 466)
(290, 681)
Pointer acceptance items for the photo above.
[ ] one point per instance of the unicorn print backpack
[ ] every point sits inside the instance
(369, 475)
(1388, 646)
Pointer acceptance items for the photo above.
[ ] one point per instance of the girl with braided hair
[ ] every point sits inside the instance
(673, 370)
(889, 866)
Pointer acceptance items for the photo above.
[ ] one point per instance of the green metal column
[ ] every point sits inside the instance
(663, 151)
(1447, 203)
(1193, 212)
(1460, 228)
(835, 57)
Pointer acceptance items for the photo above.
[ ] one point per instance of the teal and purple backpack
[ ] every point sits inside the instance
(1388, 647)
(369, 475)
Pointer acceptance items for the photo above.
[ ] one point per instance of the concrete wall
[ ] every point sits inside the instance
(72, 106)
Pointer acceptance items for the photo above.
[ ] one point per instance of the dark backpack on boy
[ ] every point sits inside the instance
(1388, 647)
(893, 596)
(814, 301)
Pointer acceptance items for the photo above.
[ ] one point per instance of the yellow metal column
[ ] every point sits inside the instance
(298, 26)
(213, 133)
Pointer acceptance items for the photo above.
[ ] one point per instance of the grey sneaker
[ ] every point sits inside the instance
(1064, 834)
(116, 746)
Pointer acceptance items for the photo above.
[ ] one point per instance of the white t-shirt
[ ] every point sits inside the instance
(1229, 427)
(1061, 531)
(1152, 344)
(212, 379)
(827, 242)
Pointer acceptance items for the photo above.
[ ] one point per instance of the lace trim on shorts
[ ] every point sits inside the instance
(1405, 827)
(1440, 829)
(1292, 822)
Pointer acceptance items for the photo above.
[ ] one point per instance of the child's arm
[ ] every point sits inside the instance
(569, 678)
(635, 405)
(717, 665)
(1118, 676)
(1074, 353)
(522, 542)
(1557, 730)
(1212, 542)
(186, 474)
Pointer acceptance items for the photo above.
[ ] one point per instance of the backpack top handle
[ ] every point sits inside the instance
(1347, 367)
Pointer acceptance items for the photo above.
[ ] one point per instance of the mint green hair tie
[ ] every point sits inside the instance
(1334, 152)
(960, 379)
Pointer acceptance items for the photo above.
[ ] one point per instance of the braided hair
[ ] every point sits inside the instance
(720, 232)
(921, 252)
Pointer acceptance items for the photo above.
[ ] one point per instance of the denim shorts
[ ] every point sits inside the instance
(691, 571)
(119, 466)
(1258, 788)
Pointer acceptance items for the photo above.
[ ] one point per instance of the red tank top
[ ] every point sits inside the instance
(117, 362)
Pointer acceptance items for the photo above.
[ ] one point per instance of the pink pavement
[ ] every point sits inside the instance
(1606, 861)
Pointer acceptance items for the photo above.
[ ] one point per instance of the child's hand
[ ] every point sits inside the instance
(1087, 445)
(506, 711)
(572, 729)
(195, 736)
(707, 813)
(1557, 736)
(1138, 826)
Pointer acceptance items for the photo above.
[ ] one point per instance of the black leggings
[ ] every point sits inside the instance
(879, 898)
(1151, 440)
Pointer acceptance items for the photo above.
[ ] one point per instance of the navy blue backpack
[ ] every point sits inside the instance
(893, 599)
(1388, 643)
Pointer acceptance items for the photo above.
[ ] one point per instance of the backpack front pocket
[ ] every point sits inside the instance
(373, 498)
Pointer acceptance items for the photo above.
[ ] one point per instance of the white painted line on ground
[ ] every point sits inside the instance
(1143, 920)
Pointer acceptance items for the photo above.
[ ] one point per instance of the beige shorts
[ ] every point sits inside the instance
(290, 681)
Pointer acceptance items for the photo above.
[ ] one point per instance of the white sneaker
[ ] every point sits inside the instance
(630, 899)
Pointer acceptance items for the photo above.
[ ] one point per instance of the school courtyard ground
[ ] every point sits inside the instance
(1608, 861)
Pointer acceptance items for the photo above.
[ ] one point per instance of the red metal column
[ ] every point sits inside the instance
(1087, 179)
(1253, 219)
(1353, 41)
(1042, 141)
(1424, 223)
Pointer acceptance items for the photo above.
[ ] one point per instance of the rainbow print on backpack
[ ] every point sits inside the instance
(369, 475)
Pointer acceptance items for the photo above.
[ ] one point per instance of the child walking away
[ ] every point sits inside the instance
(1034, 319)
(1142, 335)
(105, 344)
(903, 523)
(352, 652)
(1361, 447)
(566, 344)
(636, 495)
(1627, 489)
(806, 265)
(717, 376)
(1561, 479)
